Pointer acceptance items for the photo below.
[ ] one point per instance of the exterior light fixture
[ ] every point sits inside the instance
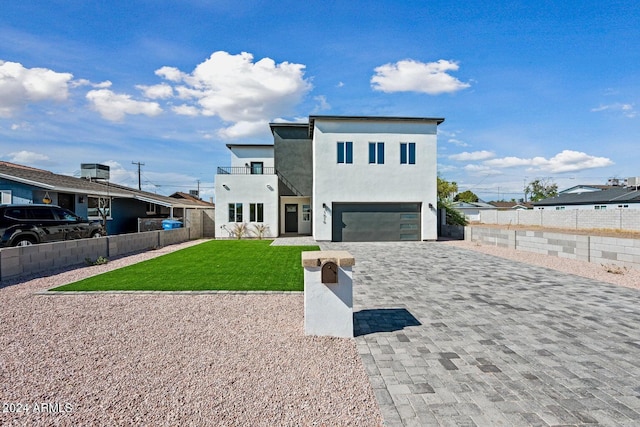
(430, 206)
(269, 187)
(225, 187)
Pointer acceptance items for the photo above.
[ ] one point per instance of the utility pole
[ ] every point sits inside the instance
(199, 190)
(139, 174)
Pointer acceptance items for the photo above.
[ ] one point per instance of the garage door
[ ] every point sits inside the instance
(375, 222)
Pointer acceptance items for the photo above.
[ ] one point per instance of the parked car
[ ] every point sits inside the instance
(24, 225)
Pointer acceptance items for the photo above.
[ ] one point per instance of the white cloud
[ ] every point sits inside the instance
(627, 110)
(457, 142)
(566, 161)
(413, 76)
(85, 82)
(481, 170)
(473, 156)
(239, 91)
(240, 129)
(25, 126)
(113, 106)
(322, 103)
(28, 158)
(186, 110)
(20, 85)
(160, 91)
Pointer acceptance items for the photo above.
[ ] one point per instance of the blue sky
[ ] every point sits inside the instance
(545, 89)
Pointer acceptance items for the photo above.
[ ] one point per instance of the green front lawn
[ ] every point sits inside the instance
(238, 265)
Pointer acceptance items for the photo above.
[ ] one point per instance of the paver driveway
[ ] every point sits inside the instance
(455, 337)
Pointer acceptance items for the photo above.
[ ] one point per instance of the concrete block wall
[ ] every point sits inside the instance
(34, 259)
(586, 219)
(595, 249)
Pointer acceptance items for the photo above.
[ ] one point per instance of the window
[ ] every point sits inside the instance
(98, 206)
(256, 212)
(600, 207)
(345, 152)
(151, 208)
(376, 152)
(306, 213)
(256, 168)
(235, 212)
(559, 208)
(5, 197)
(408, 153)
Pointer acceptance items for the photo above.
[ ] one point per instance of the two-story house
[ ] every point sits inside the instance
(336, 178)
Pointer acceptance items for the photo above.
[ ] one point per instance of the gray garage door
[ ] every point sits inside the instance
(376, 222)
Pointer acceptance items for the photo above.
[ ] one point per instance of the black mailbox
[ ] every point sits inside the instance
(329, 272)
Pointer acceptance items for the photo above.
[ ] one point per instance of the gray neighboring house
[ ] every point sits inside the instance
(610, 198)
(123, 206)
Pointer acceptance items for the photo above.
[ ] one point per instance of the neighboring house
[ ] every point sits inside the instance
(615, 197)
(192, 198)
(507, 206)
(87, 197)
(471, 210)
(338, 178)
(577, 189)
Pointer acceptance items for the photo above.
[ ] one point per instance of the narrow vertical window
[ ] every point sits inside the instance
(349, 151)
(412, 153)
(408, 153)
(340, 152)
(380, 153)
(345, 152)
(376, 152)
(232, 212)
(256, 212)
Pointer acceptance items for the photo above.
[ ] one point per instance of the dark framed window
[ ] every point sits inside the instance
(376, 152)
(235, 212)
(408, 153)
(345, 152)
(256, 212)
(257, 168)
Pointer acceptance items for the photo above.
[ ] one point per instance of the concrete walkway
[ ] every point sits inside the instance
(457, 338)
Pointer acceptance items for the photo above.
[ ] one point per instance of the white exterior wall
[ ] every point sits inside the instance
(390, 182)
(240, 156)
(592, 207)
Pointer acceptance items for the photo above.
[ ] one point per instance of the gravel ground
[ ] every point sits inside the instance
(629, 278)
(167, 359)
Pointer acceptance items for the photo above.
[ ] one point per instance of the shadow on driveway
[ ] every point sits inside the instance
(382, 320)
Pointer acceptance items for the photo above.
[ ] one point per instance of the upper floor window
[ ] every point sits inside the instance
(257, 168)
(345, 152)
(408, 153)
(376, 152)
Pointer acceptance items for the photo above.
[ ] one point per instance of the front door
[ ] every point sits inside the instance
(67, 201)
(290, 218)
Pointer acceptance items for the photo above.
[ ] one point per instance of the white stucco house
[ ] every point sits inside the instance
(336, 178)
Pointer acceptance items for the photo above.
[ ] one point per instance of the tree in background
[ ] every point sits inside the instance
(446, 190)
(541, 188)
(466, 196)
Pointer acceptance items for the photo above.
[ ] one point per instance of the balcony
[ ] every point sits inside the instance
(244, 170)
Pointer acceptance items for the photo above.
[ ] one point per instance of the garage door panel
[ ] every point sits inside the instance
(366, 222)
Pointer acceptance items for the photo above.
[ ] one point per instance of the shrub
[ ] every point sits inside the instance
(259, 230)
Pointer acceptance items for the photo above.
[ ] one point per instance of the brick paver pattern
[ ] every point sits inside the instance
(454, 337)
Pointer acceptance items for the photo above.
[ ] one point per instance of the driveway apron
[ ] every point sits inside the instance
(455, 337)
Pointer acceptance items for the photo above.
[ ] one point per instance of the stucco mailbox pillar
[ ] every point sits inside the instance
(328, 293)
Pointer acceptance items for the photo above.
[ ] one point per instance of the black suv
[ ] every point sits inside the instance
(23, 225)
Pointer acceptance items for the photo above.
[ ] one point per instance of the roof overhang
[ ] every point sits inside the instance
(312, 120)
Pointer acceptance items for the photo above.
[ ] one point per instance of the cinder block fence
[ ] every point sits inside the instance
(34, 259)
(595, 249)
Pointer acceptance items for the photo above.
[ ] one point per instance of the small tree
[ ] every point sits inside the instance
(540, 189)
(466, 196)
(239, 229)
(259, 230)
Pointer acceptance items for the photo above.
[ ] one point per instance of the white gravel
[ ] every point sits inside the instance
(624, 277)
(167, 359)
